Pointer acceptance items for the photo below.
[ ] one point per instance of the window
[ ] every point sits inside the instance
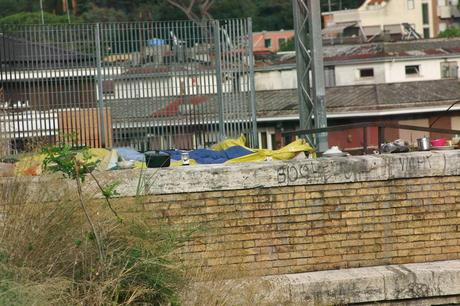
(426, 32)
(282, 41)
(412, 70)
(366, 73)
(263, 138)
(108, 87)
(274, 145)
(268, 43)
(329, 76)
(410, 4)
(449, 70)
(442, 26)
(425, 13)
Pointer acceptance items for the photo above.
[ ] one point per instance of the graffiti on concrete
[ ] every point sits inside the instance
(414, 163)
(321, 171)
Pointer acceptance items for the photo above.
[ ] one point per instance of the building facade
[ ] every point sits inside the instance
(374, 63)
(270, 42)
(393, 19)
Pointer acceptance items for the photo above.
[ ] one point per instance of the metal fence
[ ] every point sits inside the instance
(149, 85)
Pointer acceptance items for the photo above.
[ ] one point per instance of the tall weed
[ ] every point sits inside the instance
(48, 254)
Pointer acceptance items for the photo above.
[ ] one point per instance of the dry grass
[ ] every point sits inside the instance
(237, 288)
(48, 255)
(4, 139)
(229, 285)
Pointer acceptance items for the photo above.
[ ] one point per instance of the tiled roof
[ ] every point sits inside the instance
(32, 54)
(415, 48)
(440, 48)
(283, 103)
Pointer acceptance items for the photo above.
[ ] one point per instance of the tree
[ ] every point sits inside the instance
(35, 18)
(11, 7)
(195, 10)
(226, 9)
(102, 14)
(289, 45)
(273, 15)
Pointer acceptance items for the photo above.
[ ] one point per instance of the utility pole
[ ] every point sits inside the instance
(41, 11)
(310, 69)
(329, 4)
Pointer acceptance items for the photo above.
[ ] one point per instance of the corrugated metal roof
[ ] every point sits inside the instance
(282, 103)
(336, 54)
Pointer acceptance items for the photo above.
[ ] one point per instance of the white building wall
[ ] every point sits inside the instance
(168, 86)
(394, 12)
(429, 70)
(391, 72)
(349, 74)
(275, 80)
(345, 75)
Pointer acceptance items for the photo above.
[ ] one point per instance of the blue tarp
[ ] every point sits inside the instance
(202, 156)
(156, 42)
(206, 156)
(130, 154)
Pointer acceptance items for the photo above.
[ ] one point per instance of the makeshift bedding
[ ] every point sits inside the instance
(207, 156)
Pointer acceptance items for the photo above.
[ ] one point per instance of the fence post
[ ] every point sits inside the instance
(100, 91)
(220, 98)
(252, 88)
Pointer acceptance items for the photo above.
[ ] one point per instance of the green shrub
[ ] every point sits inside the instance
(50, 254)
(450, 33)
(36, 18)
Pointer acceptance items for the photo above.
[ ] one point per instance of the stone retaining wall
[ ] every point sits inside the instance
(305, 215)
(311, 215)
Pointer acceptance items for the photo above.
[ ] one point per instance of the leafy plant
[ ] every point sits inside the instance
(64, 159)
(289, 45)
(67, 161)
(450, 32)
(36, 18)
(60, 253)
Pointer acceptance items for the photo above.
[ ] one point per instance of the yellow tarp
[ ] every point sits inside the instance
(228, 143)
(31, 165)
(286, 153)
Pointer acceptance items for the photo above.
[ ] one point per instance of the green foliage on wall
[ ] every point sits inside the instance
(450, 32)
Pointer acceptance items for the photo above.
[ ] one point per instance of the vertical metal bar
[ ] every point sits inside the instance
(204, 31)
(365, 144)
(48, 58)
(220, 102)
(86, 42)
(224, 71)
(102, 127)
(319, 90)
(255, 139)
(303, 61)
(381, 137)
(107, 72)
(248, 61)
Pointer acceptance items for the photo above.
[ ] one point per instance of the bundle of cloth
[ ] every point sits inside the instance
(208, 156)
(232, 151)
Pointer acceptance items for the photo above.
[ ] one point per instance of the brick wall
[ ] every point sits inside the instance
(301, 215)
(294, 229)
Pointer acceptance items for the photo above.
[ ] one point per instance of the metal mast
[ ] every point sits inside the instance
(310, 68)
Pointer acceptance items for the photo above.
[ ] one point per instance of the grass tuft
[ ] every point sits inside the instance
(49, 256)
